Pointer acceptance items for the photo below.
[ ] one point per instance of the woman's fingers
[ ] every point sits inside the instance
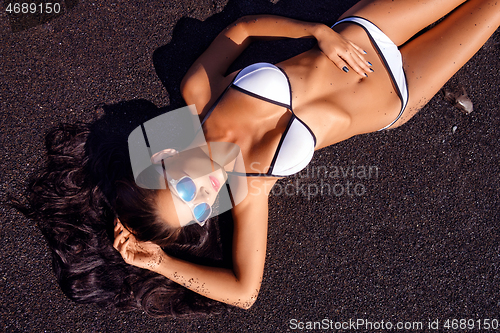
(360, 50)
(356, 60)
(133, 252)
(121, 236)
(122, 245)
(119, 241)
(124, 251)
(348, 56)
(345, 61)
(341, 51)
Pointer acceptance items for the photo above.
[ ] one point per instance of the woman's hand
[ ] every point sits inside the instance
(341, 51)
(145, 255)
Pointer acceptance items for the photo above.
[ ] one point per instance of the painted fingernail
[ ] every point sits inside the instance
(369, 63)
(371, 70)
(365, 75)
(345, 69)
(364, 51)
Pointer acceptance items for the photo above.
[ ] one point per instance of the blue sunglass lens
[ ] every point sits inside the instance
(202, 212)
(186, 189)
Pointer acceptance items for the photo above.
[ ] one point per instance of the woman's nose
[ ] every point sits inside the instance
(203, 194)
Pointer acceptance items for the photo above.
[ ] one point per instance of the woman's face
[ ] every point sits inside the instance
(208, 178)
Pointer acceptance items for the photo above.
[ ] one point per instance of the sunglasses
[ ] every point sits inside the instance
(185, 189)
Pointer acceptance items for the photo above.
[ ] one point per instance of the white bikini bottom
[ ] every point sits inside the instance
(390, 55)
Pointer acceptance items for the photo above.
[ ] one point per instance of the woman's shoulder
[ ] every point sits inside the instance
(203, 91)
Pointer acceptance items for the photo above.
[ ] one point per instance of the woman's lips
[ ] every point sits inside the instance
(215, 183)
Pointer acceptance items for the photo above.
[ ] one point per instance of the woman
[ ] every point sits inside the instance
(352, 83)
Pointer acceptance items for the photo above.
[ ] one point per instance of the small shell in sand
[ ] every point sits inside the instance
(459, 98)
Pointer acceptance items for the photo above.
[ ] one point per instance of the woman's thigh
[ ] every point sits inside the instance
(402, 19)
(434, 57)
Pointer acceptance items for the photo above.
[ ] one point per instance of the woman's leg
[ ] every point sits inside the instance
(402, 19)
(434, 57)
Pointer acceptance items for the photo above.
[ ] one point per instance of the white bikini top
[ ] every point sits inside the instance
(296, 146)
(269, 83)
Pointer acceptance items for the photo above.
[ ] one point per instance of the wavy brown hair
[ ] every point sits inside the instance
(74, 199)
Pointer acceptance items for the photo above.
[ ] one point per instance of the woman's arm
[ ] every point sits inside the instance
(238, 286)
(340, 50)
(206, 79)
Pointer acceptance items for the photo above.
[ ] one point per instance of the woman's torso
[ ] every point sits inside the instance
(335, 105)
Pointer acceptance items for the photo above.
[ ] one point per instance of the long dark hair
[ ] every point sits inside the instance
(74, 199)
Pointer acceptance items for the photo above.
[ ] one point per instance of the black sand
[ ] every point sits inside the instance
(416, 240)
